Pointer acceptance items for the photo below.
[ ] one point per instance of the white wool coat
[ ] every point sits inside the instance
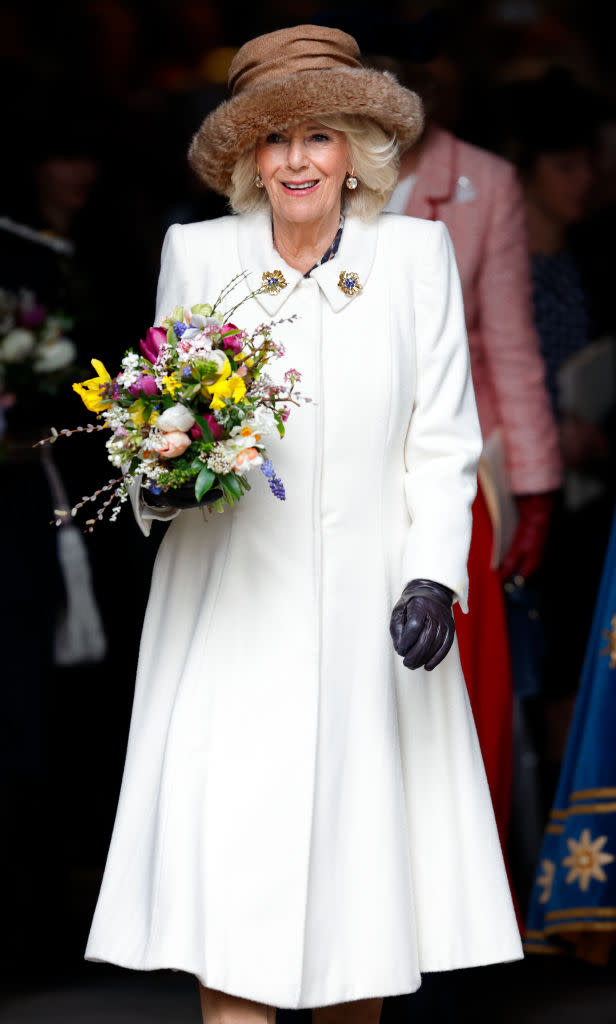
(302, 820)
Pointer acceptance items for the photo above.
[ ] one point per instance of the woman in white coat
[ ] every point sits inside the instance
(303, 821)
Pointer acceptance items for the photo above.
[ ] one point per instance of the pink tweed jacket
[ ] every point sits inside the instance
(478, 196)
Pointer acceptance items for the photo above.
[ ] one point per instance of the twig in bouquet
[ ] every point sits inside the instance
(251, 295)
(229, 287)
(55, 434)
(119, 486)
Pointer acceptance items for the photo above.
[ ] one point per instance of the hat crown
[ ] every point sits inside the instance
(288, 51)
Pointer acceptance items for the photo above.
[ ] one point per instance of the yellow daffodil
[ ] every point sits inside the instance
(171, 385)
(138, 412)
(226, 386)
(90, 390)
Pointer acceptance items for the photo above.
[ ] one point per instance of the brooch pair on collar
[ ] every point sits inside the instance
(348, 282)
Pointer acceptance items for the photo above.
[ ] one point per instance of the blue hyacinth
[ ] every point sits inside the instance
(179, 328)
(275, 483)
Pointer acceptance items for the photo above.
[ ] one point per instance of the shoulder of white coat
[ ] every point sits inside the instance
(215, 231)
(411, 231)
(414, 239)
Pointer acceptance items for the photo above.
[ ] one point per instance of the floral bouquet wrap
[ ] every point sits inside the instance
(193, 407)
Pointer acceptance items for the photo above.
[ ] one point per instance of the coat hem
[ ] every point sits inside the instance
(287, 1003)
(258, 995)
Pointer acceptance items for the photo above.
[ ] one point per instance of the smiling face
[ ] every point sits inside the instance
(303, 169)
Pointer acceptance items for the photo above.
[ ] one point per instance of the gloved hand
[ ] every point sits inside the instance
(181, 497)
(525, 553)
(422, 626)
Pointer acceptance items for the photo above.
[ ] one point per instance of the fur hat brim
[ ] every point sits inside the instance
(237, 123)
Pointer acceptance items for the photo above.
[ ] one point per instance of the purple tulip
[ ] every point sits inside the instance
(145, 384)
(155, 338)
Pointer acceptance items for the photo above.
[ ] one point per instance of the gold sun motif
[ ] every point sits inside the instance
(610, 636)
(586, 860)
(546, 880)
(274, 281)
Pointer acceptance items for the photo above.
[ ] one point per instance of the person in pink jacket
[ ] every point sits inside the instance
(477, 195)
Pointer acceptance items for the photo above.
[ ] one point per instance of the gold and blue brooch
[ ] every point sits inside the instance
(348, 282)
(274, 281)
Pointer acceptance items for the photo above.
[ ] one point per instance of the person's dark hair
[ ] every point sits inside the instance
(550, 114)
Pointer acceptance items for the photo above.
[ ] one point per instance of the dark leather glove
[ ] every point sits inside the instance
(525, 553)
(422, 626)
(181, 497)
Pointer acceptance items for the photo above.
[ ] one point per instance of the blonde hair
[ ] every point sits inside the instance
(374, 156)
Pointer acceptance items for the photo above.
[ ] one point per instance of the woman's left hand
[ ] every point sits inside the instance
(422, 625)
(181, 497)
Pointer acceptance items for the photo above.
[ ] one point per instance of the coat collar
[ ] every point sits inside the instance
(436, 174)
(257, 255)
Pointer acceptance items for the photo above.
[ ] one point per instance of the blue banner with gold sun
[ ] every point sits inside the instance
(573, 904)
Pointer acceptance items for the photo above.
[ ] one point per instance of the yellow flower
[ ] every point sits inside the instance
(233, 388)
(227, 386)
(137, 412)
(171, 384)
(90, 390)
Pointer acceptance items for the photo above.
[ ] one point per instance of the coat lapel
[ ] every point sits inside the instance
(355, 256)
(436, 175)
(258, 256)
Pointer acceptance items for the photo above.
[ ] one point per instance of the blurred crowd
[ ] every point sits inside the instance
(519, 153)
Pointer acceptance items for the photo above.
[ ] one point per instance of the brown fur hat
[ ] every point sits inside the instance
(292, 75)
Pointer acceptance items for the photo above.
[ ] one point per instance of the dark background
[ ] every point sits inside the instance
(132, 81)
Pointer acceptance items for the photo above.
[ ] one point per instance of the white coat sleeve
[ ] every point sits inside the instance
(168, 295)
(443, 443)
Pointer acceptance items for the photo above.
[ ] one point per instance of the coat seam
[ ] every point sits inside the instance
(318, 569)
(393, 656)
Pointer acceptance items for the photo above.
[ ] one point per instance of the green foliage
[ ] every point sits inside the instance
(204, 482)
(231, 486)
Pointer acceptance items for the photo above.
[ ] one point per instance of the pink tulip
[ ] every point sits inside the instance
(215, 427)
(155, 338)
(236, 343)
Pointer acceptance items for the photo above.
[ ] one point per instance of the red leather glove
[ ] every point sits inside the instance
(526, 551)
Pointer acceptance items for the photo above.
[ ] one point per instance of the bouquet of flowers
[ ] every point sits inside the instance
(36, 357)
(194, 406)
